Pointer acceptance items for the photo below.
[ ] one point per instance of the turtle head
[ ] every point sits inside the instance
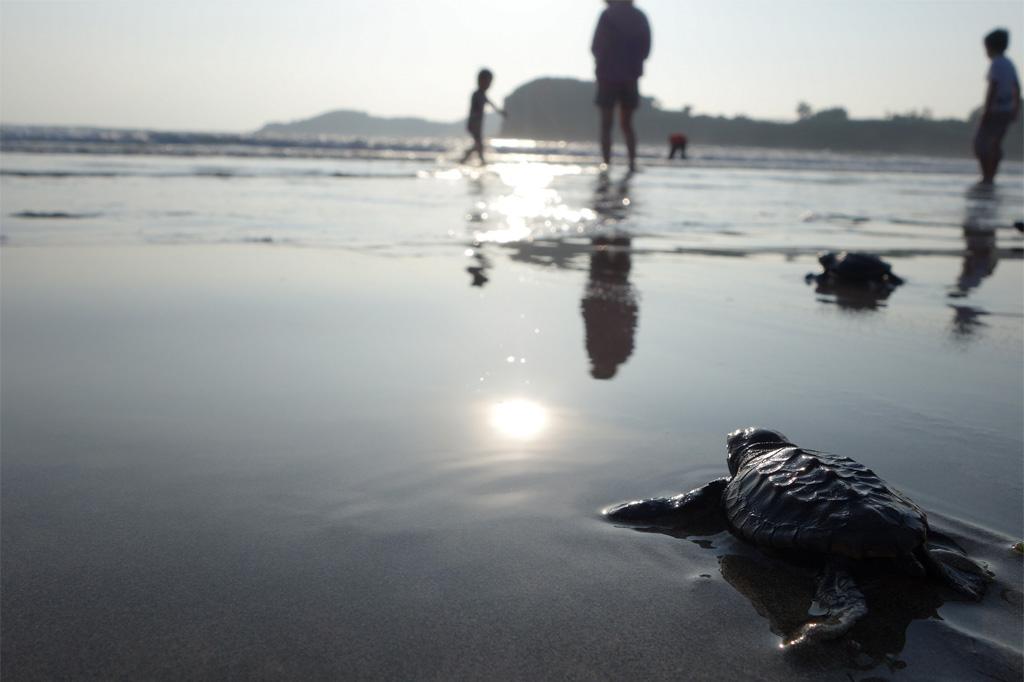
(741, 442)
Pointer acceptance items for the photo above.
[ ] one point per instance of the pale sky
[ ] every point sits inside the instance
(233, 66)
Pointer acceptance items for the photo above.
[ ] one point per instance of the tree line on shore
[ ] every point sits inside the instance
(563, 109)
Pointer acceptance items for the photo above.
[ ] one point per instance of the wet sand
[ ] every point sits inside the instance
(272, 462)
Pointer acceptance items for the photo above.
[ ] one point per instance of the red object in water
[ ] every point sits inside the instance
(677, 138)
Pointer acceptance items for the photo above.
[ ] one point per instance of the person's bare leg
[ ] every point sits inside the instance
(478, 147)
(997, 156)
(607, 117)
(987, 149)
(988, 165)
(979, 154)
(986, 172)
(626, 119)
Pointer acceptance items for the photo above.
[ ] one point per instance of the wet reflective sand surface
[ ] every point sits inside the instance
(255, 460)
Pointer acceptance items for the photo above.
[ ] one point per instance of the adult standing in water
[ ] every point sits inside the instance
(622, 41)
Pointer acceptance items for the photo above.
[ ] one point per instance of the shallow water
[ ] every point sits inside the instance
(383, 205)
(263, 460)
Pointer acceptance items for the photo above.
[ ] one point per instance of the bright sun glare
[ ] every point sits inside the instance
(528, 205)
(519, 418)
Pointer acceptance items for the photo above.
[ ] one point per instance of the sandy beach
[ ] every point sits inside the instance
(282, 450)
(530, 341)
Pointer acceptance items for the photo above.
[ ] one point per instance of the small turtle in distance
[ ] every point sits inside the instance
(784, 497)
(855, 268)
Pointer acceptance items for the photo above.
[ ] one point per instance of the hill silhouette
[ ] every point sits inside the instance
(563, 109)
(347, 122)
(360, 123)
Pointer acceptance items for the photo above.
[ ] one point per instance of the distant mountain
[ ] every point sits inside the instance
(345, 122)
(348, 122)
(563, 109)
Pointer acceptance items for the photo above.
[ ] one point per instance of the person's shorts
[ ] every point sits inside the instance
(626, 93)
(991, 131)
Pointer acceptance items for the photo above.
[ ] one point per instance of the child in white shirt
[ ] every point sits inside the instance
(1002, 105)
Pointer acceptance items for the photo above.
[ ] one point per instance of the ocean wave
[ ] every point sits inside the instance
(54, 215)
(827, 217)
(102, 141)
(60, 174)
(20, 135)
(201, 173)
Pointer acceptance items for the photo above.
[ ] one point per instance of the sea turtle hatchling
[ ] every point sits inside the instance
(785, 497)
(850, 267)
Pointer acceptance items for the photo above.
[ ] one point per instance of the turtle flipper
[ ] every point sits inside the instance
(706, 498)
(837, 593)
(956, 570)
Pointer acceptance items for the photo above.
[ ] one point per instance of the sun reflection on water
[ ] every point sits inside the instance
(529, 206)
(518, 418)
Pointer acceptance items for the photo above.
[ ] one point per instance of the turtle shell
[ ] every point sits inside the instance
(791, 498)
(860, 267)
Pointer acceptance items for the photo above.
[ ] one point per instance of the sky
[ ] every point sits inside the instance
(221, 65)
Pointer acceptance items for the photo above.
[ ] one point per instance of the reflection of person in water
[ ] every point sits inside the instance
(611, 199)
(479, 271)
(980, 254)
(980, 258)
(609, 304)
(609, 307)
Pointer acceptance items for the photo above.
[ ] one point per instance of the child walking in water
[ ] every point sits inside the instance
(475, 124)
